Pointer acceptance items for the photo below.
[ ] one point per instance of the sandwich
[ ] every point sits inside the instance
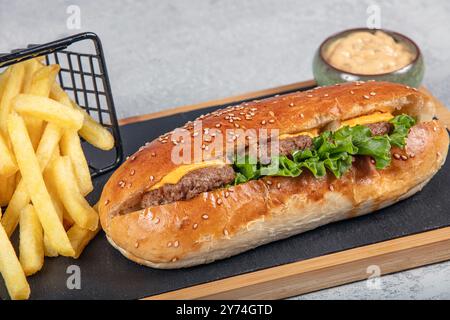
(262, 171)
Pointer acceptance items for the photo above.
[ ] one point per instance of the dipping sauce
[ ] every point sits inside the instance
(363, 52)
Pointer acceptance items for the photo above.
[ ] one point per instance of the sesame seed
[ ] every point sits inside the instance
(157, 220)
(148, 213)
(169, 244)
(352, 92)
(434, 129)
(272, 114)
(331, 187)
(366, 96)
(132, 172)
(219, 201)
(372, 161)
(106, 202)
(279, 185)
(438, 154)
(236, 125)
(152, 178)
(153, 154)
(372, 93)
(309, 95)
(263, 122)
(205, 217)
(227, 194)
(133, 158)
(218, 125)
(194, 226)
(412, 155)
(225, 232)
(269, 182)
(302, 115)
(136, 245)
(325, 95)
(176, 244)
(291, 104)
(404, 157)
(271, 121)
(396, 156)
(174, 259)
(121, 183)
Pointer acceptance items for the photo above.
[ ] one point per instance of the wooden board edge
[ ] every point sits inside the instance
(325, 271)
(245, 96)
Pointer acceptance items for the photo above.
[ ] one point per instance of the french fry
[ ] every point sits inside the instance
(31, 245)
(20, 198)
(11, 270)
(58, 94)
(48, 110)
(12, 89)
(91, 131)
(43, 80)
(77, 207)
(40, 86)
(3, 80)
(79, 238)
(94, 133)
(31, 66)
(32, 177)
(49, 251)
(7, 164)
(71, 146)
(6, 189)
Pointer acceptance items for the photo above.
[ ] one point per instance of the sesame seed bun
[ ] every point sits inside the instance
(224, 222)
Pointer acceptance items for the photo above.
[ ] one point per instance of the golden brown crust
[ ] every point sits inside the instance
(203, 229)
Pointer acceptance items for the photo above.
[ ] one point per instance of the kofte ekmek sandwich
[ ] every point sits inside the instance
(343, 151)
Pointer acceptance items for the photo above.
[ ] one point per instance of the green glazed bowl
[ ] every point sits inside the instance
(411, 74)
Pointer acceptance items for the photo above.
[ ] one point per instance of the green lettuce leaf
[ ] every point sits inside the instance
(402, 123)
(332, 151)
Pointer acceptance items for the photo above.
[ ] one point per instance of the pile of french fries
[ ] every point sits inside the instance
(44, 175)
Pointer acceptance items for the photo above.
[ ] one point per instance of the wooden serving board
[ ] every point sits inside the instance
(411, 233)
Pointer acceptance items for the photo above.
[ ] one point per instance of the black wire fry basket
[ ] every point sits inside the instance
(84, 76)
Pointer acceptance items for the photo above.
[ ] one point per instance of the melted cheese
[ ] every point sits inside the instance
(312, 133)
(371, 118)
(178, 173)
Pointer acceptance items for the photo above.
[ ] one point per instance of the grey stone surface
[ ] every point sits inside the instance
(163, 54)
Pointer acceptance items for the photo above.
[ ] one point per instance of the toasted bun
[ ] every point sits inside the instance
(201, 230)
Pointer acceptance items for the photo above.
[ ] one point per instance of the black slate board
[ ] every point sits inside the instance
(106, 274)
